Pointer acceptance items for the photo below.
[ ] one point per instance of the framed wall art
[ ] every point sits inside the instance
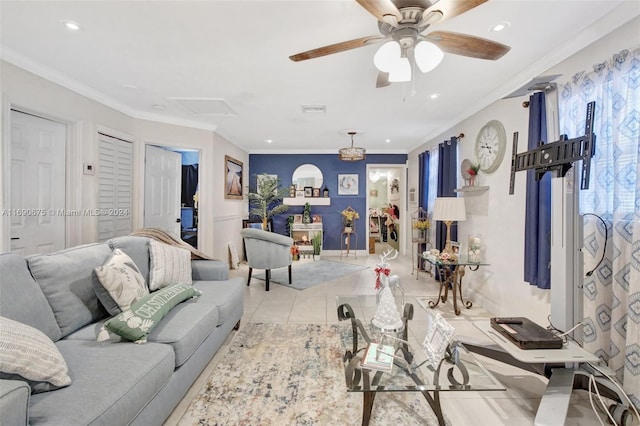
(308, 191)
(232, 178)
(348, 184)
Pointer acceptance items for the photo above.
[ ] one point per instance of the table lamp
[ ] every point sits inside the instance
(448, 210)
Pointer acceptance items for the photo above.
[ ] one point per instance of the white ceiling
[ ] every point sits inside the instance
(238, 51)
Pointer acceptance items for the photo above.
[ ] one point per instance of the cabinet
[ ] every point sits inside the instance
(303, 233)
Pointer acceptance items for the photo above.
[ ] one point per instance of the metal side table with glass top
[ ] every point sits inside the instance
(450, 275)
(412, 369)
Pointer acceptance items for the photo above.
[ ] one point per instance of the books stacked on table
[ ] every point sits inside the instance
(378, 357)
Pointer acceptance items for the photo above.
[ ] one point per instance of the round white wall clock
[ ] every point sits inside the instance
(491, 144)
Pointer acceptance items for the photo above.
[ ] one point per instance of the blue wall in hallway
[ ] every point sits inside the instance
(284, 165)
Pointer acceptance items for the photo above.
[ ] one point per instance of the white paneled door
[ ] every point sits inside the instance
(162, 186)
(36, 210)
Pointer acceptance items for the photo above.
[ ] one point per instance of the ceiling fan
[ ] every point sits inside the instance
(403, 26)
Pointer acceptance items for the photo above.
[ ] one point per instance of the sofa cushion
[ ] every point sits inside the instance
(22, 299)
(185, 328)
(209, 270)
(67, 280)
(28, 354)
(137, 248)
(112, 383)
(136, 323)
(227, 296)
(122, 283)
(168, 265)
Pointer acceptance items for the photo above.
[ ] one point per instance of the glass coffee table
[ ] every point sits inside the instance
(458, 370)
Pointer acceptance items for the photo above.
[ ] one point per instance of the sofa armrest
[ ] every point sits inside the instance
(14, 402)
(209, 270)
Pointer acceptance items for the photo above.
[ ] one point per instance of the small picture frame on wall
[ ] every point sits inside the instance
(308, 191)
(373, 193)
(316, 192)
(297, 218)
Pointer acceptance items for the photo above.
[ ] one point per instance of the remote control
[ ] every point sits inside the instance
(508, 320)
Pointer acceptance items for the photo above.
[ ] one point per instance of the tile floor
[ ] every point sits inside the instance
(515, 406)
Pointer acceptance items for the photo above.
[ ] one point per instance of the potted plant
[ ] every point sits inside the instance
(266, 201)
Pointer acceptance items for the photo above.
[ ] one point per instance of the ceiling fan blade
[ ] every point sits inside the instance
(466, 45)
(335, 48)
(452, 8)
(382, 80)
(382, 8)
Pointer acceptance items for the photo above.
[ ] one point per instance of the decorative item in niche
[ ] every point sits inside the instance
(373, 193)
(348, 184)
(232, 178)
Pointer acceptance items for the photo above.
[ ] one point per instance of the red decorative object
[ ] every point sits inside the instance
(378, 270)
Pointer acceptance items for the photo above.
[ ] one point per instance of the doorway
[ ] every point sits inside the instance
(37, 182)
(384, 201)
(171, 191)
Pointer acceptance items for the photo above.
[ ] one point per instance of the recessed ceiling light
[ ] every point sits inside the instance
(499, 27)
(268, 140)
(71, 26)
(434, 96)
(388, 141)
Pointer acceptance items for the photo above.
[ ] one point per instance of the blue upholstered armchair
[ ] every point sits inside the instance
(266, 250)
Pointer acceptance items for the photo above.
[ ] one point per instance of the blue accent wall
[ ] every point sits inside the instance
(284, 165)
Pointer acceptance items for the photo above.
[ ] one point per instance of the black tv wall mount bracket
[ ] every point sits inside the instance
(558, 155)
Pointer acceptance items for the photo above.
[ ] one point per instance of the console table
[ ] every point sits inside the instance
(450, 275)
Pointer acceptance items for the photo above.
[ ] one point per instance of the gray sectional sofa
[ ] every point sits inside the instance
(113, 383)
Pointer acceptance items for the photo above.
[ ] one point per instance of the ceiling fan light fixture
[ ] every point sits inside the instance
(428, 56)
(401, 71)
(352, 153)
(387, 55)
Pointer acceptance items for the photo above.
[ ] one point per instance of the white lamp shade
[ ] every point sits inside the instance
(400, 71)
(449, 209)
(428, 56)
(386, 56)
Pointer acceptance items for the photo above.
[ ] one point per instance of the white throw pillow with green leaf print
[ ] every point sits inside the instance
(122, 280)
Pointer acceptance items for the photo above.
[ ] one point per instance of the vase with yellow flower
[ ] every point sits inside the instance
(349, 216)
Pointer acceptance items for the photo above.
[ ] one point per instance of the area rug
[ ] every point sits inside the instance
(309, 274)
(292, 374)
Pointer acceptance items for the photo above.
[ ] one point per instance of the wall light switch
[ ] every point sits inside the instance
(88, 169)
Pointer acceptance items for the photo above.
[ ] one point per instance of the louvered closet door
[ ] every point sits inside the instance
(115, 180)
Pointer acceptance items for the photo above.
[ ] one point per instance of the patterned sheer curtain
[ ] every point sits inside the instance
(612, 290)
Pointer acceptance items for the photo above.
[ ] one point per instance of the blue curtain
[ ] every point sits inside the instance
(537, 237)
(423, 179)
(447, 181)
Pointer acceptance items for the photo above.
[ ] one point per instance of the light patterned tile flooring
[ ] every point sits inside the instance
(514, 407)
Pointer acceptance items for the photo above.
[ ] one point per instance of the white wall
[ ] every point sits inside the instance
(86, 117)
(498, 216)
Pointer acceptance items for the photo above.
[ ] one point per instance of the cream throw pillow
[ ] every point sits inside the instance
(169, 265)
(122, 279)
(28, 354)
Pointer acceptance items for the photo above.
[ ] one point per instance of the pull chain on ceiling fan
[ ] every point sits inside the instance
(403, 26)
